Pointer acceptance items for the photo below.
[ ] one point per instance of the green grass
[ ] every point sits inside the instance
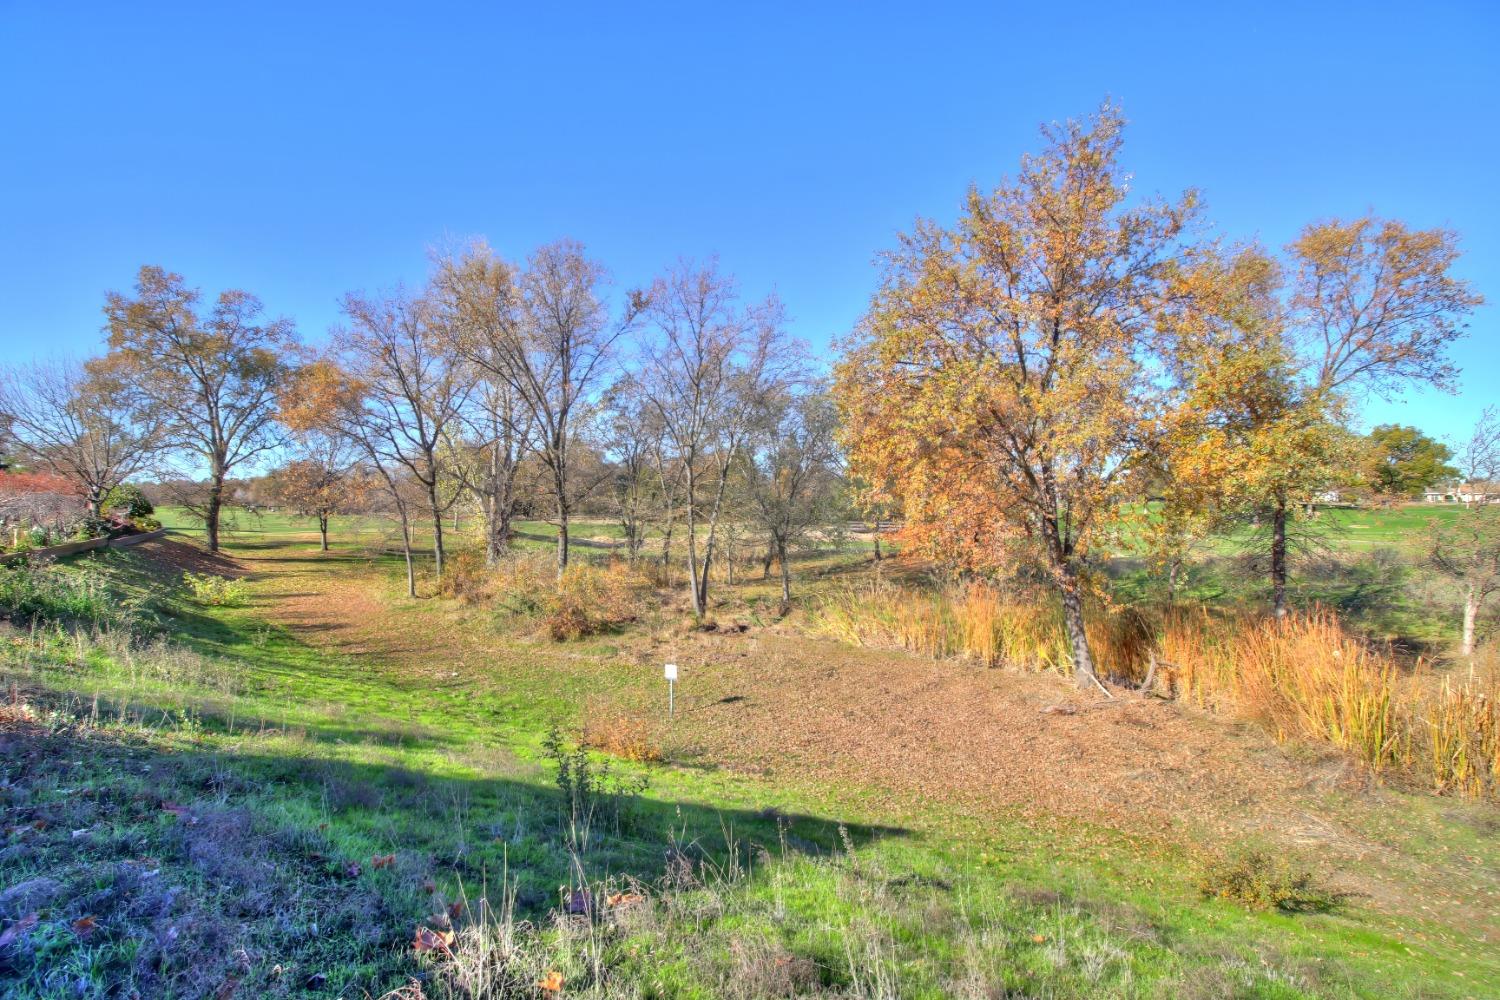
(284, 764)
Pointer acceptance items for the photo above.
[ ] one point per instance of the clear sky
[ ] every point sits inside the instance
(303, 150)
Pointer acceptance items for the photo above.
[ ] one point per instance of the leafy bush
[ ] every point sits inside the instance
(592, 790)
(90, 527)
(46, 592)
(620, 734)
(589, 600)
(1259, 880)
(215, 591)
(466, 577)
(128, 500)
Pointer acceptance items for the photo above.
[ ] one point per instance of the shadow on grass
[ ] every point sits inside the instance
(197, 860)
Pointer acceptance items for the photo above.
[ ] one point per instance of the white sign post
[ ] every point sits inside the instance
(671, 675)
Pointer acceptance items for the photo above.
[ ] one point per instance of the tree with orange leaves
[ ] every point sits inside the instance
(1001, 386)
(1275, 356)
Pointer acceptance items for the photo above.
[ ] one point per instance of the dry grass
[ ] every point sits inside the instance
(1304, 677)
(1309, 677)
(621, 734)
(589, 599)
(984, 623)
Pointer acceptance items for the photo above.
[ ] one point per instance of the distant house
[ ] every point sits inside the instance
(1464, 493)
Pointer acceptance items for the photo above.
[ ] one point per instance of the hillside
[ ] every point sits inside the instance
(279, 795)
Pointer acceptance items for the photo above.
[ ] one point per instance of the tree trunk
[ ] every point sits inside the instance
(211, 514)
(323, 530)
(411, 574)
(692, 530)
(786, 576)
(877, 542)
(1078, 640)
(497, 535)
(1471, 612)
(1278, 558)
(666, 543)
(437, 529)
(560, 484)
(767, 560)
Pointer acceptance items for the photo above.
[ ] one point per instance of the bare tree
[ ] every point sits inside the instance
(792, 473)
(547, 334)
(1480, 456)
(81, 423)
(709, 362)
(499, 429)
(213, 380)
(412, 390)
(633, 442)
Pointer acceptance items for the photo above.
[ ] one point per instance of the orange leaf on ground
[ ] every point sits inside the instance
(85, 925)
(428, 939)
(553, 983)
(18, 928)
(624, 898)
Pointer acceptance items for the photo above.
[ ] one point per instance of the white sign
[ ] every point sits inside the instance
(671, 671)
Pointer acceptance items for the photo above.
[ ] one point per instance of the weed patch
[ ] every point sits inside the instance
(1259, 880)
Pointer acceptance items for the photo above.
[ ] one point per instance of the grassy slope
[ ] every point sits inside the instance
(317, 760)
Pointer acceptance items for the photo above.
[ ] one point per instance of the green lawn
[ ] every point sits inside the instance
(255, 776)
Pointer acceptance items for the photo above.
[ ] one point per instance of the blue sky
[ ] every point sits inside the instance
(301, 153)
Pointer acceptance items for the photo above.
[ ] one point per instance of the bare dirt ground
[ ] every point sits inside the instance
(930, 737)
(177, 557)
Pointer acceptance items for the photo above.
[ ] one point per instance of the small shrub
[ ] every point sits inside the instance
(215, 591)
(1259, 880)
(128, 501)
(466, 577)
(620, 734)
(45, 592)
(589, 600)
(90, 527)
(592, 790)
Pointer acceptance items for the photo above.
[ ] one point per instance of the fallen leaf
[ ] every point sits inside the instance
(18, 928)
(85, 925)
(624, 898)
(1038, 938)
(428, 939)
(552, 983)
(379, 861)
(455, 910)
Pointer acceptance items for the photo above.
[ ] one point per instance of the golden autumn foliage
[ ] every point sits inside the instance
(1001, 385)
(1272, 358)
